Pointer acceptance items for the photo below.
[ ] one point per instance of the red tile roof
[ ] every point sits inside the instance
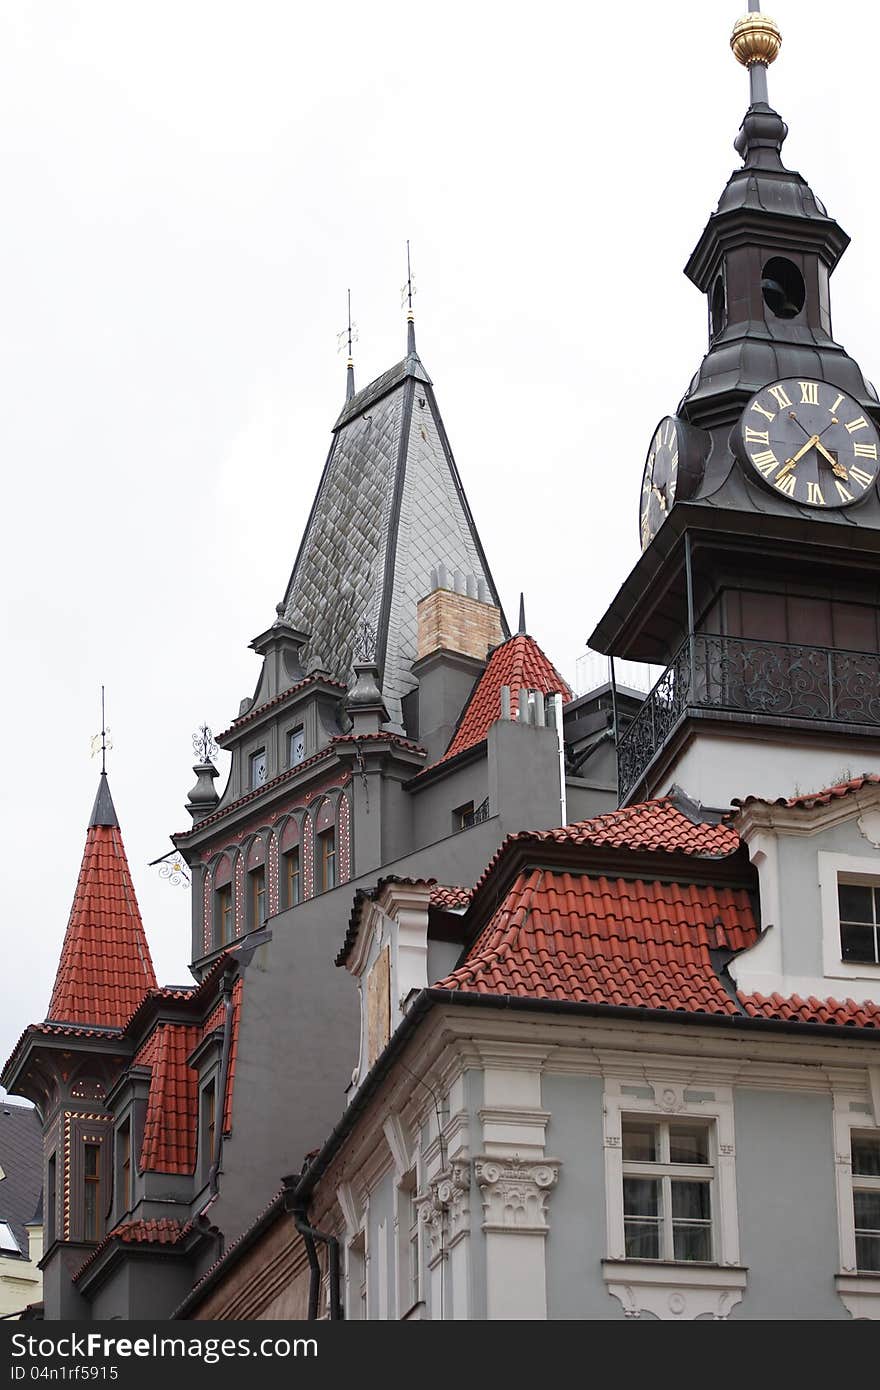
(602, 940)
(519, 664)
(170, 1127)
(105, 967)
(163, 1231)
(450, 897)
(846, 1012)
(807, 800)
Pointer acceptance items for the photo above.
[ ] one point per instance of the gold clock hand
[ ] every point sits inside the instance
(838, 469)
(790, 463)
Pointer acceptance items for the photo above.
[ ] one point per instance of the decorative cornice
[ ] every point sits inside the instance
(515, 1192)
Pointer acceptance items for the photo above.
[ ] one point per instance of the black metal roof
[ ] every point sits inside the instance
(21, 1159)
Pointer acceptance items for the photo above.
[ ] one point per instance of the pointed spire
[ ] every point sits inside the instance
(103, 811)
(105, 968)
(409, 290)
(522, 615)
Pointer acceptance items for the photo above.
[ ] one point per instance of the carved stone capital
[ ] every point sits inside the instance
(445, 1209)
(515, 1192)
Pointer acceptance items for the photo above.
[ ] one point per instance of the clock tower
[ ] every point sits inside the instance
(758, 588)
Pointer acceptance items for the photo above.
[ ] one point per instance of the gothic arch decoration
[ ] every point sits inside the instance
(308, 857)
(344, 823)
(325, 826)
(207, 908)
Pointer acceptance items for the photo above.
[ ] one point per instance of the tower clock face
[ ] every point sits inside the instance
(810, 442)
(660, 478)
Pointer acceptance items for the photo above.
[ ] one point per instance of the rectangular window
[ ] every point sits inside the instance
(667, 1190)
(258, 897)
(91, 1191)
(859, 907)
(209, 1103)
(463, 817)
(291, 860)
(866, 1200)
(123, 1140)
(225, 916)
(327, 840)
(51, 1200)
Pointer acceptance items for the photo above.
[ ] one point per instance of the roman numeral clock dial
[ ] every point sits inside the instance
(673, 469)
(810, 442)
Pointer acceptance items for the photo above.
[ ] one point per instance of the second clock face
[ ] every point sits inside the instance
(811, 443)
(660, 478)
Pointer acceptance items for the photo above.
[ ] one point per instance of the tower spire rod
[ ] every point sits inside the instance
(407, 293)
(348, 335)
(103, 737)
(755, 42)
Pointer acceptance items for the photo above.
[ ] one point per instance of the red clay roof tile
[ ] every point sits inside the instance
(609, 941)
(171, 1124)
(807, 800)
(845, 1012)
(519, 664)
(105, 968)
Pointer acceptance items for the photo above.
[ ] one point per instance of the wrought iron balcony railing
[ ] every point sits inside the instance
(745, 676)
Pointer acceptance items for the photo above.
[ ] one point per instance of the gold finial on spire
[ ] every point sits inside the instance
(756, 38)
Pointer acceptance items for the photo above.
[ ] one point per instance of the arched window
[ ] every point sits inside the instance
(256, 901)
(224, 902)
(291, 865)
(325, 829)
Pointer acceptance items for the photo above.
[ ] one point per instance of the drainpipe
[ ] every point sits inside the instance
(220, 1116)
(310, 1235)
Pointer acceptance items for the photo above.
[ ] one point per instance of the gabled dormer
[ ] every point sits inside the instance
(818, 863)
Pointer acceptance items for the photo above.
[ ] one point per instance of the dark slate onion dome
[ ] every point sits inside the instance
(764, 261)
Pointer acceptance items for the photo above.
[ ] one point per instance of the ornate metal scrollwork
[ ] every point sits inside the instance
(747, 676)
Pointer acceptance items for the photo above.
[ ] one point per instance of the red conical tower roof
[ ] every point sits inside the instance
(105, 967)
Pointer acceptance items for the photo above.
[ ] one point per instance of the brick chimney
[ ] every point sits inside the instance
(458, 624)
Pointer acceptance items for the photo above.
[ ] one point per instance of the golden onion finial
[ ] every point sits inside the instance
(756, 38)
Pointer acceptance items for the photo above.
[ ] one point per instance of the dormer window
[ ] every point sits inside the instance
(259, 769)
(859, 906)
(296, 747)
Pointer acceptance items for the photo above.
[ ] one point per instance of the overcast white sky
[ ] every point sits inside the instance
(188, 190)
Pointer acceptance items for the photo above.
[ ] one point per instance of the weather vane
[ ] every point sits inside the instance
(204, 746)
(365, 642)
(102, 741)
(347, 335)
(408, 290)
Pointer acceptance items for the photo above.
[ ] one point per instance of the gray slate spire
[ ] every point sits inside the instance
(390, 506)
(103, 811)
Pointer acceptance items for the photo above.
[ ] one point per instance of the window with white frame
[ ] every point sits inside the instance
(667, 1189)
(865, 1149)
(859, 909)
